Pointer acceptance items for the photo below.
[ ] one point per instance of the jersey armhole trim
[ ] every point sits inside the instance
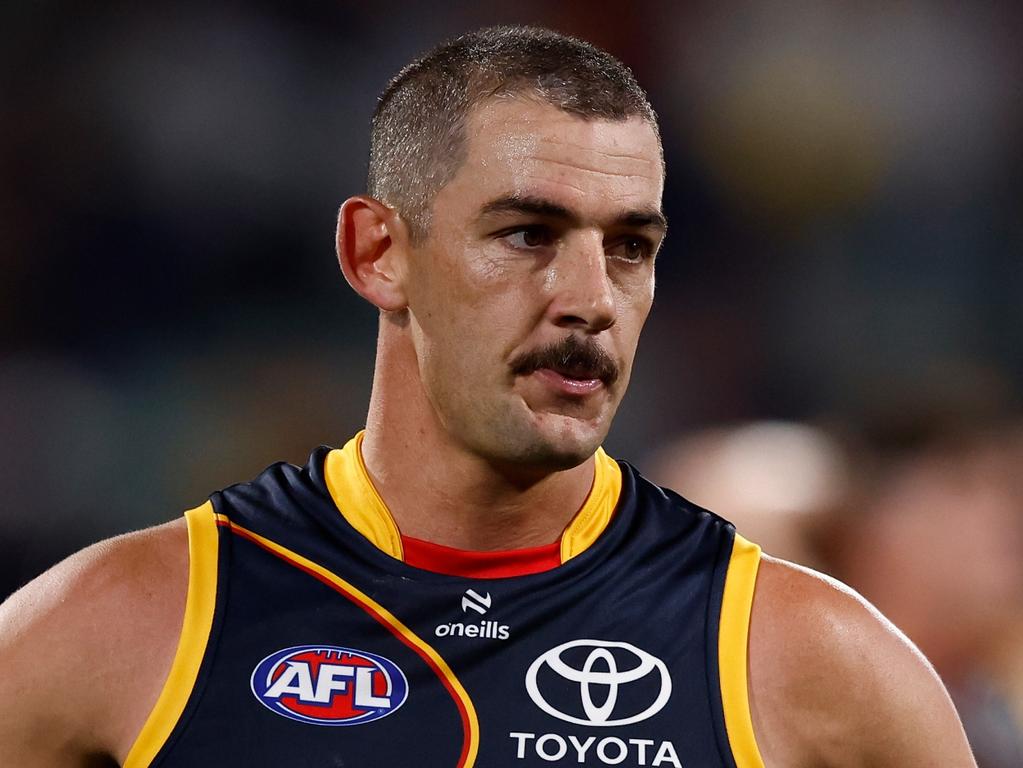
(733, 643)
(195, 632)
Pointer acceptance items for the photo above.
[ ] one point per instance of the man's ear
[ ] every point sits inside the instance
(371, 248)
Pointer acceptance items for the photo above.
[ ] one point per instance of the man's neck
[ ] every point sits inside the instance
(438, 491)
(439, 494)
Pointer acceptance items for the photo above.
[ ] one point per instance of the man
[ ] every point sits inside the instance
(472, 581)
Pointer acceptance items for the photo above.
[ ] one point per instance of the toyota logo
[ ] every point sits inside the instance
(612, 678)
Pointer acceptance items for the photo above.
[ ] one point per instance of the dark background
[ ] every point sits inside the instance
(845, 183)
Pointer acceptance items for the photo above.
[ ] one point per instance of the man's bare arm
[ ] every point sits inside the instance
(85, 649)
(833, 684)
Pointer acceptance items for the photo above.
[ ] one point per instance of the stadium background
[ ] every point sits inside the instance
(845, 189)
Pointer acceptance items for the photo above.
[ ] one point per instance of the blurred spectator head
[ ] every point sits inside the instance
(934, 524)
(776, 481)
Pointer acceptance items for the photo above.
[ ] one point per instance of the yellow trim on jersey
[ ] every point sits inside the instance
(733, 642)
(598, 509)
(356, 497)
(385, 615)
(195, 632)
(360, 503)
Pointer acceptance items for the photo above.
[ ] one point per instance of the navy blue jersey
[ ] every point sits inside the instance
(309, 641)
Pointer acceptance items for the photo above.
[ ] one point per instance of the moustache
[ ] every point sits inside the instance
(571, 358)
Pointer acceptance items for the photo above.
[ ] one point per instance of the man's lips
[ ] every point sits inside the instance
(568, 385)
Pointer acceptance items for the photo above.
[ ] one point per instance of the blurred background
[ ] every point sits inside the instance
(835, 356)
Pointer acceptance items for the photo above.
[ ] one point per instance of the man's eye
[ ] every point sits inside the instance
(529, 237)
(633, 249)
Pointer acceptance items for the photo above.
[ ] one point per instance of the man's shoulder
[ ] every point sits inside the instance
(834, 683)
(87, 645)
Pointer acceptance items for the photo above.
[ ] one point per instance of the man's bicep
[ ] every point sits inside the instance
(74, 644)
(39, 688)
(909, 719)
(834, 684)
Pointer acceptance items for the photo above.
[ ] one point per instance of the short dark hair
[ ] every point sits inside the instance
(418, 138)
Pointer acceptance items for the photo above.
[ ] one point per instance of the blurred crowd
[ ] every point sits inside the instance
(920, 511)
(844, 191)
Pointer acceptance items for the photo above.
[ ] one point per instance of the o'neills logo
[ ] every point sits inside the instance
(475, 602)
(491, 629)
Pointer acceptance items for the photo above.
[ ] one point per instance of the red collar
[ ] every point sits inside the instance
(480, 565)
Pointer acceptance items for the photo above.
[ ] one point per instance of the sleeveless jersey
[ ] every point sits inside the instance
(308, 641)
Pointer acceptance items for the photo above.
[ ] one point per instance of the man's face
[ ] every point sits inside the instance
(528, 297)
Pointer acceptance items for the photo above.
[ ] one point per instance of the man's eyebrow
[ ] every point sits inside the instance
(528, 204)
(645, 217)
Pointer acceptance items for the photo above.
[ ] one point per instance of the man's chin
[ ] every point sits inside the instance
(541, 440)
(562, 441)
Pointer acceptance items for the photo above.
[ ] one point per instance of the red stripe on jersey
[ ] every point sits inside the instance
(480, 565)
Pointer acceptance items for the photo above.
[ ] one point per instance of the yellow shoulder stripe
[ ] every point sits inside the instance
(357, 499)
(195, 632)
(733, 641)
(598, 509)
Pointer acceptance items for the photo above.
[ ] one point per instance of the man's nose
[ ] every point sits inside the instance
(583, 297)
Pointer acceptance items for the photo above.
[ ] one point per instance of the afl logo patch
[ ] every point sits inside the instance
(329, 685)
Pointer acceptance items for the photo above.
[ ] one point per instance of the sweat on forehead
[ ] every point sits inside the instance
(419, 132)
